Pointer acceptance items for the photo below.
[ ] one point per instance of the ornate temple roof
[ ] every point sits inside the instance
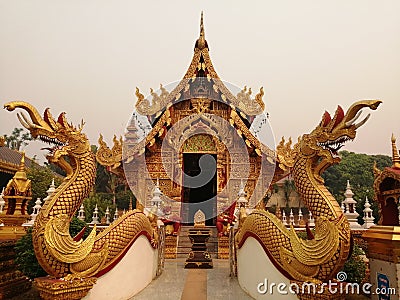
(10, 160)
(243, 107)
(392, 172)
(202, 84)
(201, 66)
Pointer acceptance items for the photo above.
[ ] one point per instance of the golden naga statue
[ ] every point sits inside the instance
(58, 253)
(320, 257)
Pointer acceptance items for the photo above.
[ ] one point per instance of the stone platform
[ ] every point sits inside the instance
(194, 284)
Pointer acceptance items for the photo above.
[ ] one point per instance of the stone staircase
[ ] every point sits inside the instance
(184, 244)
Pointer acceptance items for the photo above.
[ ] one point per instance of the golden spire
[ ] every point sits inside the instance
(201, 42)
(395, 153)
(21, 174)
(201, 26)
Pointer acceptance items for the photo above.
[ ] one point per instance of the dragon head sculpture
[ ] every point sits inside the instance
(65, 139)
(324, 142)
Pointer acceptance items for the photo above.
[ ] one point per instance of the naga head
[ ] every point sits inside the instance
(65, 139)
(324, 142)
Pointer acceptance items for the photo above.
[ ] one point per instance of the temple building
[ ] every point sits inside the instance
(10, 162)
(387, 189)
(199, 128)
(383, 239)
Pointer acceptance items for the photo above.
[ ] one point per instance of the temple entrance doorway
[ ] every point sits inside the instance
(200, 187)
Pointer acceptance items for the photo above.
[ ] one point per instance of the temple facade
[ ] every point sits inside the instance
(198, 128)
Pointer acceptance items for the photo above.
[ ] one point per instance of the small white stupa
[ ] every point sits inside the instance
(36, 209)
(81, 213)
(311, 221)
(107, 215)
(2, 201)
(241, 201)
(284, 219)
(35, 212)
(291, 218)
(300, 220)
(156, 200)
(51, 190)
(116, 216)
(95, 217)
(350, 205)
(368, 218)
(38, 204)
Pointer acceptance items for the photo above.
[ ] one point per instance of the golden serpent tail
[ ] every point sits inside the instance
(320, 258)
(58, 253)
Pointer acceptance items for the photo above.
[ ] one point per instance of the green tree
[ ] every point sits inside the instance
(288, 188)
(104, 200)
(355, 266)
(76, 226)
(123, 198)
(357, 168)
(17, 139)
(102, 176)
(55, 169)
(41, 178)
(25, 257)
(107, 182)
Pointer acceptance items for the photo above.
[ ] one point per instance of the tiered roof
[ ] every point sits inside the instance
(243, 111)
(10, 159)
(201, 66)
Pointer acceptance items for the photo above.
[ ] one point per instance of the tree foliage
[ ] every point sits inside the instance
(357, 168)
(288, 188)
(25, 257)
(355, 266)
(17, 139)
(41, 178)
(104, 200)
(76, 226)
(107, 182)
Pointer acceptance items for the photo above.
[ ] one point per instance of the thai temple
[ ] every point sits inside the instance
(200, 126)
(383, 240)
(201, 175)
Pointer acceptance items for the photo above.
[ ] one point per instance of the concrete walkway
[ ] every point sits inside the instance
(194, 284)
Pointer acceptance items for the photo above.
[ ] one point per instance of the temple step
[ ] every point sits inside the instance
(184, 244)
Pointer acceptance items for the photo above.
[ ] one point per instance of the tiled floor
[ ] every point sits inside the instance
(221, 286)
(176, 281)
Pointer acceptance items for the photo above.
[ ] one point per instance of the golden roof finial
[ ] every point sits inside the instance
(201, 26)
(395, 153)
(21, 174)
(201, 42)
(22, 162)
